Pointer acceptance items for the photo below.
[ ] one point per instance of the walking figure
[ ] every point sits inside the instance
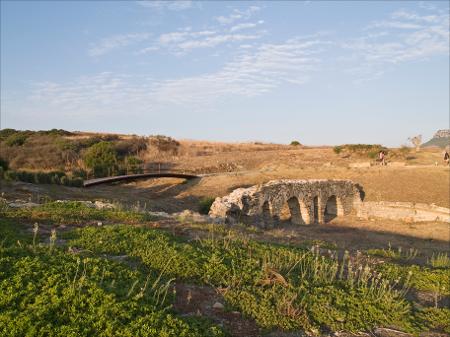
(382, 158)
(446, 158)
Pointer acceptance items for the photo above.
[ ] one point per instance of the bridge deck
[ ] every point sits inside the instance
(129, 177)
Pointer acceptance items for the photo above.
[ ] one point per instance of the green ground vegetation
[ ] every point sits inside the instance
(75, 287)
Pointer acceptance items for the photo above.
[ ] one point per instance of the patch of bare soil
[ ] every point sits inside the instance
(195, 300)
(352, 234)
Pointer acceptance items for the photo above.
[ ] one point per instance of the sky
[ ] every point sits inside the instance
(320, 72)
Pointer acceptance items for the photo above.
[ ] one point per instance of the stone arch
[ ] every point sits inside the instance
(333, 208)
(290, 211)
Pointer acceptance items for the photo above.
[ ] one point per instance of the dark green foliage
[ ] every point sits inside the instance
(53, 177)
(55, 132)
(295, 143)
(205, 204)
(4, 164)
(16, 139)
(101, 158)
(79, 173)
(5, 133)
(371, 150)
(337, 149)
(133, 165)
(422, 278)
(437, 319)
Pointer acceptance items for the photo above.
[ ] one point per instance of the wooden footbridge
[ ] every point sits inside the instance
(131, 177)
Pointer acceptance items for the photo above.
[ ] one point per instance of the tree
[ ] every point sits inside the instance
(416, 141)
(101, 159)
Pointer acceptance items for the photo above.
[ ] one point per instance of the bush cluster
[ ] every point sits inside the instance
(204, 204)
(371, 150)
(165, 144)
(54, 177)
(102, 155)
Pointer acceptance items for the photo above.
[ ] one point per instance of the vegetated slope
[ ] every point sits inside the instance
(76, 288)
(441, 142)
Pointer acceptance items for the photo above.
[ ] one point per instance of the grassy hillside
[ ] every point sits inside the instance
(438, 142)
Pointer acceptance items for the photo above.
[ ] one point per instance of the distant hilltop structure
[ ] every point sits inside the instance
(445, 133)
(440, 139)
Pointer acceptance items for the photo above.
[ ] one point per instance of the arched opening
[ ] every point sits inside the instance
(304, 213)
(316, 209)
(267, 214)
(290, 212)
(331, 209)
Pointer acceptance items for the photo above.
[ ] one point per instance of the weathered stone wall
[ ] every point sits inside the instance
(309, 201)
(406, 211)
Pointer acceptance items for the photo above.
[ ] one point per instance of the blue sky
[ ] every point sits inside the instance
(317, 71)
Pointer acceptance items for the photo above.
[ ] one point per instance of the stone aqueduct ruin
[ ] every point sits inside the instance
(298, 201)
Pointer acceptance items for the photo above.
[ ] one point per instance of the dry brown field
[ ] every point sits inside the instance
(229, 166)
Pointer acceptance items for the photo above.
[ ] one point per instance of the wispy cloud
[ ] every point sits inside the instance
(246, 25)
(237, 14)
(405, 36)
(251, 73)
(181, 42)
(177, 5)
(111, 43)
(102, 94)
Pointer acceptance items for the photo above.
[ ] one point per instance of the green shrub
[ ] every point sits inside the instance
(5, 133)
(204, 204)
(16, 139)
(10, 175)
(4, 164)
(101, 158)
(79, 173)
(371, 150)
(53, 177)
(295, 143)
(133, 165)
(440, 260)
(337, 149)
(435, 319)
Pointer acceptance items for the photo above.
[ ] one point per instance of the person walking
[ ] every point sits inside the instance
(446, 158)
(382, 158)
